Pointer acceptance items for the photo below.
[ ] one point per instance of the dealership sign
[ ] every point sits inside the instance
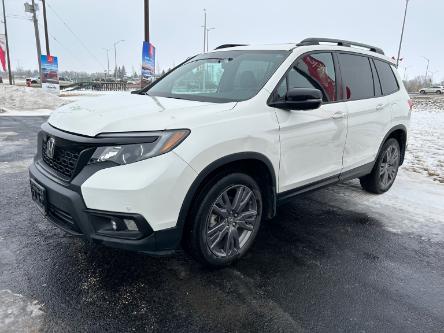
(50, 75)
(148, 62)
(3, 52)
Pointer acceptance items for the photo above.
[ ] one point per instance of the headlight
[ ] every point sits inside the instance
(130, 153)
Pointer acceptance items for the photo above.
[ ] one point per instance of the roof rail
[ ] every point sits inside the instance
(339, 42)
(224, 46)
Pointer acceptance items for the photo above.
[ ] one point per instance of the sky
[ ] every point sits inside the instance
(84, 28)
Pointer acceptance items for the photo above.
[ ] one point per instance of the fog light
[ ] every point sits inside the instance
(114, 225)
(119, 225)
(130, 225)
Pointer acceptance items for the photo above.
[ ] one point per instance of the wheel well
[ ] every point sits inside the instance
(259, 170)
(401, 136)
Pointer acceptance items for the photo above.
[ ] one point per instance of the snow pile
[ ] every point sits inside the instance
(24, 99)
(428, 103)
(425, 153)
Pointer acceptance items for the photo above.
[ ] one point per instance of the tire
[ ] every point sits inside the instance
(216, 235)
(383, 175)
(438, 92)
(422, 92)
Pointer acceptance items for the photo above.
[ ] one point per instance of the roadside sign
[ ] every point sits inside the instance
(148, 62)
(50, 74)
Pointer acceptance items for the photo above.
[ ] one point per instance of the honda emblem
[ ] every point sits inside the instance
(50, 146)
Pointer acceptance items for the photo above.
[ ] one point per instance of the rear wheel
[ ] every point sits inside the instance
(422, 92)
(226, 220)
(385, 170)
(438, 92)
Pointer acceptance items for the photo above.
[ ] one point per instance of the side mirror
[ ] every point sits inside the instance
(300, 99)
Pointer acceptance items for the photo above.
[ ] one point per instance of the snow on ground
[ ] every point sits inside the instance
(19, 314)
(425, 152)
(13, 98)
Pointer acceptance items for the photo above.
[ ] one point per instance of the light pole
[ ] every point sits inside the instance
(45, 24)
(205, 31)
(107, 58)
(427, 68)
(432, 76)
(402, 32)
(208, 30)
(115, 57)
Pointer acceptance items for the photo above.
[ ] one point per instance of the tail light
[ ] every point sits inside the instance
(410, 102)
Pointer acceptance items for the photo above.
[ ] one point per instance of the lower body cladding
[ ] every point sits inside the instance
(134, 207)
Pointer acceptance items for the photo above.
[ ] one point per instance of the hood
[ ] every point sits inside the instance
(126, 113)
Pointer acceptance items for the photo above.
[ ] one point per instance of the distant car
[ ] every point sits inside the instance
(432, 90)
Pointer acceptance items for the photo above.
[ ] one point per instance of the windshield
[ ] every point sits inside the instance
(227, 76)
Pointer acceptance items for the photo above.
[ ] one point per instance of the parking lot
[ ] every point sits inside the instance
(334, 260)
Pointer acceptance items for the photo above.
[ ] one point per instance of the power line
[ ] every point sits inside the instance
(63, 46)
(76, 36)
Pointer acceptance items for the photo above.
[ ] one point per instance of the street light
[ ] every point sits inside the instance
(402, 32)
(432, 75)
(208, 30)
(427, 68)
(107, 58)
(115, 57)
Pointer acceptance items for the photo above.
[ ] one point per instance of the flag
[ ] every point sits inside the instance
(3, 52)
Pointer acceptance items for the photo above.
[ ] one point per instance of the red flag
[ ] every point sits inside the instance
(2, 52)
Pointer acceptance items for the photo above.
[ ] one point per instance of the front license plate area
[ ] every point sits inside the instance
(38, 193)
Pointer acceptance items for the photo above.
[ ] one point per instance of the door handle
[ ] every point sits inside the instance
(380, 107)
(339, 115)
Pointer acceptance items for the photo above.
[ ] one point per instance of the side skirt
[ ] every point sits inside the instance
(348, 175)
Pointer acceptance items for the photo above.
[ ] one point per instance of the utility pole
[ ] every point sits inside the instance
(208, 40)
(402, 32)
(37, 39)
(115, 58)
(205, 31)
(107, 58)
(46, 27)
(427, 69)
(147, 20)
(7, 44)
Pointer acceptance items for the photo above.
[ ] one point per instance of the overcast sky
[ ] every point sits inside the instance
(176, 29)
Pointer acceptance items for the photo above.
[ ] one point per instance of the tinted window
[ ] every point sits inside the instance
(387, 77)
(316, 71)
(357, 76)
(377, 83)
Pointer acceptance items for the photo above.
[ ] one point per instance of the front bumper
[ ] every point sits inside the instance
(67, 210)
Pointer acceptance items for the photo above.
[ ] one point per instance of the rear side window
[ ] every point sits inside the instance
(357, 76)
(387, 77)
(315, 70)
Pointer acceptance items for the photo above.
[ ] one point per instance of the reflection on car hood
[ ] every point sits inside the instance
(126, 112)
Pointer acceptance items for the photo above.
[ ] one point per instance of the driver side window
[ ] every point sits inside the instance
(315, 71)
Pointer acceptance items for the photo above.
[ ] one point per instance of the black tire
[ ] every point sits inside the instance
(422, 92)
(203, 216)
(376, 182)
(438, 92)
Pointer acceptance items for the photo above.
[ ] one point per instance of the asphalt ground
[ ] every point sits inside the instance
(314, 268)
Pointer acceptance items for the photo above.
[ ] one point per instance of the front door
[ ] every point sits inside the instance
(312, 142)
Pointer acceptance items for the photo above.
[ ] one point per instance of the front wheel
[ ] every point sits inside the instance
(438, 92)
(385, 170)
(422, 92)
(226, 220)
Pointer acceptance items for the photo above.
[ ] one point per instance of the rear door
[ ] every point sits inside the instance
(312, 141)
(368, 111)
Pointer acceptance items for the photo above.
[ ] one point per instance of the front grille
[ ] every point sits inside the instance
(64, 160)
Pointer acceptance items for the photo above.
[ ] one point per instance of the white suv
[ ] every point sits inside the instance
(204, 154)
(432, 90)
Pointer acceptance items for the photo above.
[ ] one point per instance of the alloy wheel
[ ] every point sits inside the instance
(389, 166)
(231, 221)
